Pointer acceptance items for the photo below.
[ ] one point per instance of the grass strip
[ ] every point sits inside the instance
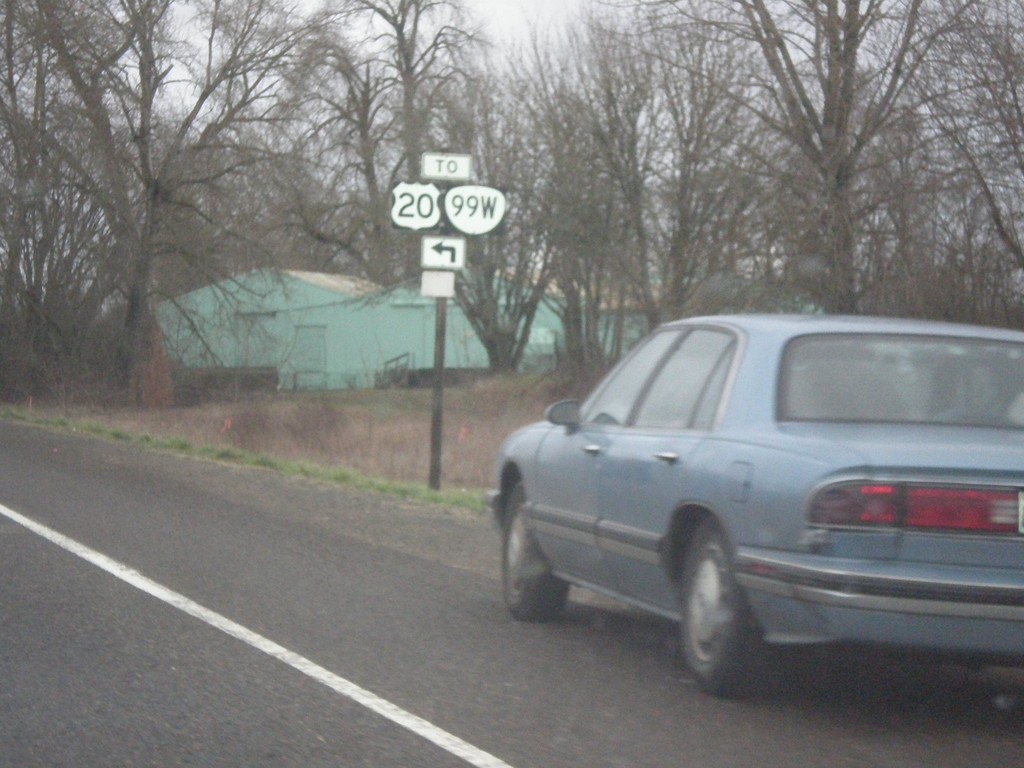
(341, 476)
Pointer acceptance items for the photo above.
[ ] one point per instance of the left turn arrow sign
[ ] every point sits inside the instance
(443, 253)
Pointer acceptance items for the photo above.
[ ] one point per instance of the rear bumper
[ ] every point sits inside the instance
(808, 598)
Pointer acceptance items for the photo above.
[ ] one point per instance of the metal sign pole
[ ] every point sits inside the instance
(440, 331)
(470, 209)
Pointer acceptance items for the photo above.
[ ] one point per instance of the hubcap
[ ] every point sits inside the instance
(516, 554)
(708, 609)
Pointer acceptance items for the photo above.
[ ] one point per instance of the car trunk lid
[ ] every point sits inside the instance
(946, 495)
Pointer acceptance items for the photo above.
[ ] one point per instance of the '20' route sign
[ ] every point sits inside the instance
(415, 206)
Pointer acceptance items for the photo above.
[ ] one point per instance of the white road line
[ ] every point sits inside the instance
(446, 741)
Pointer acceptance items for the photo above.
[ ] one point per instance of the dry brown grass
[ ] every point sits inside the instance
(380, 433)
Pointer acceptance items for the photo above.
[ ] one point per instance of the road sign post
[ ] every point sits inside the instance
(439, 256)
(437, 405)
(468, 208)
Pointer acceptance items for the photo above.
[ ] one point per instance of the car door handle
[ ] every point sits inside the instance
(667, 456)
(592, 449)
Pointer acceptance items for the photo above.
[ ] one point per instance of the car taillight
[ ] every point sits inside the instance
(979, 510)
(988, 511)
(855, 504)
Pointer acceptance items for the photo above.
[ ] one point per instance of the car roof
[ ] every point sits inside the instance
(765, 337)
(784, 326)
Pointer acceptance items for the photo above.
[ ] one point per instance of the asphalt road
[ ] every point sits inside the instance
(160, 611)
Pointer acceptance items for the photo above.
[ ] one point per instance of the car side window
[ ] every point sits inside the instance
(613, 400)
(687, 389)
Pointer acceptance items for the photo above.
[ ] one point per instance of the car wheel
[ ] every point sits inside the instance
(718, 635)
(532, 592)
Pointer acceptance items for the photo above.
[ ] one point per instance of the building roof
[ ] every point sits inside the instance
(343, 284)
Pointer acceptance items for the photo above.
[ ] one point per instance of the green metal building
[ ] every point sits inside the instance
(320, 331)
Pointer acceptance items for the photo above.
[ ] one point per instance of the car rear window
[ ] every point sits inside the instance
(897, 378)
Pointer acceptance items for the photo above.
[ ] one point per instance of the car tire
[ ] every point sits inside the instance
(719, 639)
(532, 592)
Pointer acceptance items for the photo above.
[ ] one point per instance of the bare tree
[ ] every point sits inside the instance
(54, 277)
(837, 72)
(976, 95)
(619, 90)
(163, 95)
(349, 140)
(424, 43)
(649, 197)
(709, 210)
(375, 87)
(508, 273)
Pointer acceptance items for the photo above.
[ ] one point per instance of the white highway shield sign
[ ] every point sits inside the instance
(473, 209)
(415, 206)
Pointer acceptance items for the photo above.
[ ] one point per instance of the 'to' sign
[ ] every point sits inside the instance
(415, 206)
(474, 210)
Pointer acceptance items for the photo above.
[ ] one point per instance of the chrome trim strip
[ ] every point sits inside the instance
(626, 600)
(631, 551)
(633, 543)
(843, 588)
(859, 582)
(569, 526)
(608, 536)
(562, 518)
(569, 534)
(916, 606)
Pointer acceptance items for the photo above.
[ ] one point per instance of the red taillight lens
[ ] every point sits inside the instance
(962, 509)
(855, 504)
(978, 510)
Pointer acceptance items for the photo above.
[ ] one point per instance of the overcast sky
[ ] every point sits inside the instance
(511, 20)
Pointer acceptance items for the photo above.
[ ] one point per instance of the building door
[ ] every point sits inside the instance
(309, 357)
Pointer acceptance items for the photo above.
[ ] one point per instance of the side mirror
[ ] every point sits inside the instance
(565, 413)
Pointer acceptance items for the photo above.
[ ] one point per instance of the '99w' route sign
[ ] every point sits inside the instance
(474, 210)
(471, 209)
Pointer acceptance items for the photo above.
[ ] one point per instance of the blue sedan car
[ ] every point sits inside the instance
(784, 479)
